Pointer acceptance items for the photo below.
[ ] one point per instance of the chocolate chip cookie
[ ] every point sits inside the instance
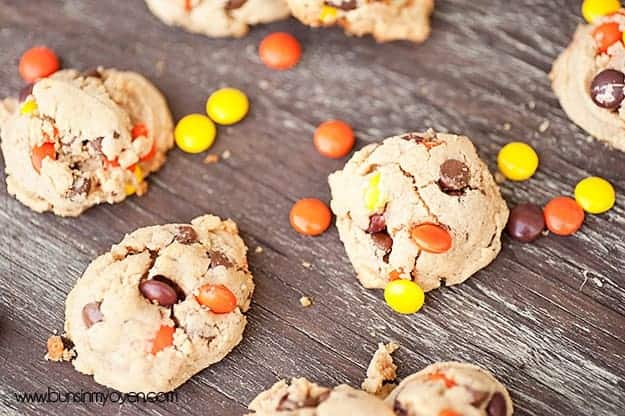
(451, 389)
(163, 304)
(75, 140)
(218, 18)
(420, 206)
(385, 20)
(589, 79)
(301, 397)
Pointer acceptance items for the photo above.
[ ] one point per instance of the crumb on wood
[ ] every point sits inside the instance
(531, 105)
(58, 350)
(258, 250)
(507, 126)
(543, 126)
(211, 158)
(226, 155)
(141, 188)
(305, 301)
(499, 178)
(307, 264)
(382, 371)
(160, 67)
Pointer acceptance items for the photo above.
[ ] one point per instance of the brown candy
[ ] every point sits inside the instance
(91, 314)
(526, 222)
(454, 176)
(377, 223)
(81, 185)
(343, 4)
(158, 291)
(219, 259)
(234, 4)
(497, 405)
(186, 235)
(383, 241)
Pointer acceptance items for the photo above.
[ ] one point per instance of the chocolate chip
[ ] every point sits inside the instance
(234, 4)
(96, 145)
(81, 185)
(156, 290)
(526, 222)
(477, 397)
(93, 73)
(377, 223)
(497, 405)
(454, 176)
(399, 409)
(413, 137)
(219, 259)
(343, 4)
(186, 235)
(26, 91)
(383, 241)
(91, 314)
(606, 89)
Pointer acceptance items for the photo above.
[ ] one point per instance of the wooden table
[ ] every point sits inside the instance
(547, 318)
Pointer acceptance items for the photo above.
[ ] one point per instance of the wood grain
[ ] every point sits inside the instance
(547, 318)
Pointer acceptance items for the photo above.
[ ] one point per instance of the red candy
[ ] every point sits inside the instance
(280, 51)
(41, 152)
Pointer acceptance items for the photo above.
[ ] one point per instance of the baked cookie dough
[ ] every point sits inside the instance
(420, 206)
(218, 18)
(80, 139)
(385, 20)
(589, 78)
(163, 304)
(301, 397)
(461, 388)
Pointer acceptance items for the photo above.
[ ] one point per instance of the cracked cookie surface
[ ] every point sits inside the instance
(218, 18)
(451, 388)
(590, 53)
(420, 206)
(385, 20)
(163, 304)
(300, 397)
(80, 139)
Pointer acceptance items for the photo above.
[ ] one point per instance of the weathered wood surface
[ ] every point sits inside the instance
(547, 318)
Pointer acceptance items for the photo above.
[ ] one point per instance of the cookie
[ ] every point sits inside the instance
(163, 304)
(381, 371)
(81, 139)
(218, 18)
(420, 206)
(385, 20)
(301, 397)
(451, 388)
(589, 77)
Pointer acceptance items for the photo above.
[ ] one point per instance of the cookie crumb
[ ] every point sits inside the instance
(499, 178)
(226, 155)
(258, 250)
(543, 126)
(507, 126)
(307, 265)
(597, 282)
(142, 188)
(531, 105)
(57, 350)
(381, 371)
(305, 301)
(210, 159)
(160, 67)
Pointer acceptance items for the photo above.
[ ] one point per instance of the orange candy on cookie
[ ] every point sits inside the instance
(310, 216)
(217, 298)
(280, 51)
(563, 215)
(163, 339)
(334, 139)
(41, 152)
(606, 35)
(431, 238)
(38, 62)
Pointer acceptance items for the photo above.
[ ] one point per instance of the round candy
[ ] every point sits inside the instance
(163, 339)
(217, 298)
(606, 89)
(28, 107)
(563, 216)
(227, 106)
(595, 195)
(38, 62)
(517, 161)
(606, 35)
(137, 172)
(41, 152)
(526, 222)
(404, 296)
(310, 216)
(280, 51)
(334, 139)
(592, 9)
(431, 238)
(195, 133)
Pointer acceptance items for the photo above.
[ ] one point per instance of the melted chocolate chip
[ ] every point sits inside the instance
(454, 176)
(286, 404)
(219, 259)
(92, 73)
(158, 291)
(343, 4)
(606, 89)
(377, 223)
(383, 241)
(234, 4)
(497, 405)
(91, 314)
(413, 137)
(186, 235)
(26, 91)
(81, 185)
(399, 410)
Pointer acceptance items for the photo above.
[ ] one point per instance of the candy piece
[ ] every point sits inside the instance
(158, 291)
(563, 216)
(164, 338)
(606, 35)
(38, 62)
(431, 238)
(606, 89)
(449, 412)
(454, 176)
(438, 376)
(217, 298)
(195, 133)
(41, 152)
(334, 139)
(28, 107)
(310, 216)
(91, 314)
(280, 51)
(404, 296)
(227, 106)
(130, 187)
(517, 161)
(377, 223)
(328, 14)
(497, 405)
(139, 130)
(526, 222)
(593, 9)
(595, 195)
(374, 197)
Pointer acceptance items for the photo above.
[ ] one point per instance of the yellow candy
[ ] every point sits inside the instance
(227, 106)
(517, 161)
(328, 14)
(28, 107)
(593, 9)
(374, 198)
(195, 133)
(404, 296)
(130, 188)
(595, 195)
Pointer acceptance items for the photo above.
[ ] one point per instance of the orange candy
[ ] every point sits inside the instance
(310, 216)
(41, 152)
(606, 35)
(563, 215)
(431, 238)
(334, 139)
(138, 130)
(218, 298)
(280, 51)
(38, 62)
(163, 339)
(449, 383)
(448, 412)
